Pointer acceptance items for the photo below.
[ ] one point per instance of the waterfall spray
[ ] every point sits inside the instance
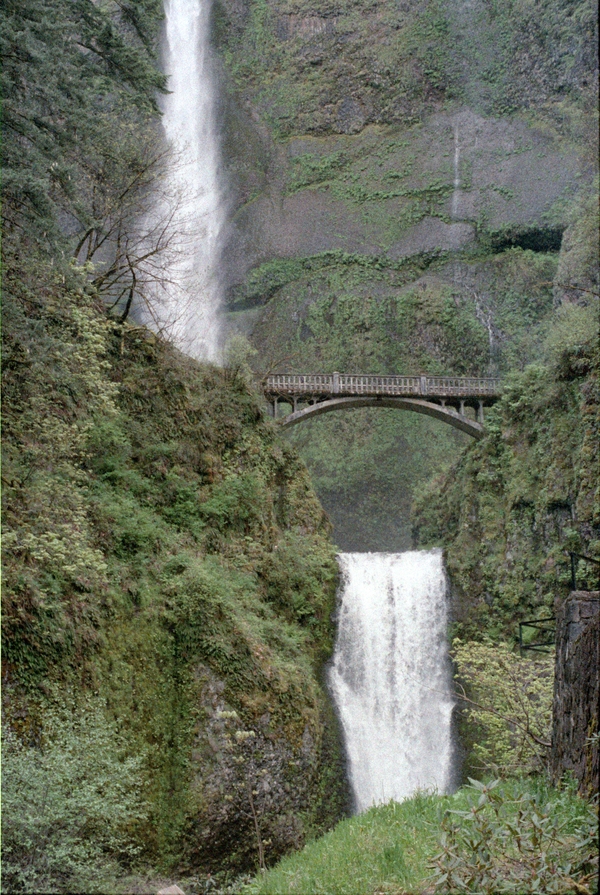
(187, 307)
(390, 675)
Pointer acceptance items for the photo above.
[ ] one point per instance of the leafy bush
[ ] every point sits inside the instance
(509, 700)
(516, 841)
(71, 804)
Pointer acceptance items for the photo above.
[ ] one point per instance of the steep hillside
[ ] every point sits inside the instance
(167, 568)
(514, 505)
(168, 574)
(402, 179)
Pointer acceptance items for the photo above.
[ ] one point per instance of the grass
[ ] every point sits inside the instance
(391, 848)
(388, 845)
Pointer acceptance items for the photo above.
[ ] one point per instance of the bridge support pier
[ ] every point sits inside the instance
(480, 412)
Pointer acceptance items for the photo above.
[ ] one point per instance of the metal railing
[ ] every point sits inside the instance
(548, 634)
(359, 384)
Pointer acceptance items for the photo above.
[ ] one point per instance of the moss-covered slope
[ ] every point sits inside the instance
(514, 505)
(165, 554)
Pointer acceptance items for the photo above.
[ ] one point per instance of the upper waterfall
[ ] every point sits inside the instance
(188, 306)
(390, 674)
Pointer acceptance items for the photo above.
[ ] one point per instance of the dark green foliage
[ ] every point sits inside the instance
(514, 839)
(71, 802)
(158, 537)
(515, 503)
(76, 78)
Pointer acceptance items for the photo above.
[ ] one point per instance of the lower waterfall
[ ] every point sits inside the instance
(390, 675)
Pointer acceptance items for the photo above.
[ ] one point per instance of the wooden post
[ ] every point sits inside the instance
(336, 383)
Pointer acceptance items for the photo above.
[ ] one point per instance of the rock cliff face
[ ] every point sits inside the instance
(577, 690)
(511, 508)
(431, 154)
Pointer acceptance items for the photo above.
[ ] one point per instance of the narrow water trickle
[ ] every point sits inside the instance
(188, 303)
(390, 675)
(456, 183)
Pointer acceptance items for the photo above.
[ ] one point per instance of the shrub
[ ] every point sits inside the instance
(508, 700)
(71, 804)
(517, 841)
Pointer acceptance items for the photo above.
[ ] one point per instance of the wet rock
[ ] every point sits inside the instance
(430, 234)
(246, 774)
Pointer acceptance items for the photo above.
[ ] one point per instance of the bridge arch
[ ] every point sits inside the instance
(445, 414)
(441, 397)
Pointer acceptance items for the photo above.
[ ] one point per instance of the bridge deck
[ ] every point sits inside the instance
(436, 387)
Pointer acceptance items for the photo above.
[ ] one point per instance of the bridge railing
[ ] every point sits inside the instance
(379, 385)
(459, 386)
(355, 384)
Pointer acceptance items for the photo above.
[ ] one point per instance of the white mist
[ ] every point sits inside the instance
(390, 675)
(188, 303)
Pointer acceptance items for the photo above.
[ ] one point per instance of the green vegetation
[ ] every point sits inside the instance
(162, 545)
(353, 63)
(513, 505)
(518, 838)
(503, 836)
(69, 802)
(165, 558)
(79, 83)
(293, 72)
(506, 708)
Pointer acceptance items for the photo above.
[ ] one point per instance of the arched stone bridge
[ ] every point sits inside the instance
(443, 397)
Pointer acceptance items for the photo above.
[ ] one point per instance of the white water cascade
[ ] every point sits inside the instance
(390, 675)
(189, 300)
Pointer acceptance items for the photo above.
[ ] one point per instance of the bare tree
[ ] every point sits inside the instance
(136, 238)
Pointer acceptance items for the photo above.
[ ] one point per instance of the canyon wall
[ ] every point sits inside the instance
(409, 193)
